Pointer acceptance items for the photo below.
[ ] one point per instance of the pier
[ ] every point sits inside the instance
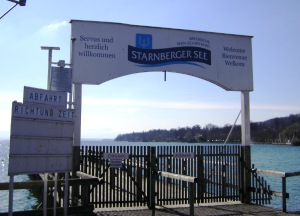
(161, 180)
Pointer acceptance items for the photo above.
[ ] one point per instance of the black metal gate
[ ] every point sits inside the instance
(136, 183)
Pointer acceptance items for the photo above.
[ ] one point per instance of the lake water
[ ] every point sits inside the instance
(263, 156)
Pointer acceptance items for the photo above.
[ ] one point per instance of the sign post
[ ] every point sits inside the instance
(41, 139)
(49, 61)
(246, 184)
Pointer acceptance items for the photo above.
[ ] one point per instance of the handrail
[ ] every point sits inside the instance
(283, 176)
(40, 183)
(276, 173)
(190, 179)
(178, 176)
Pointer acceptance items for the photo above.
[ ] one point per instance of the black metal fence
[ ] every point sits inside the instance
(137, 183)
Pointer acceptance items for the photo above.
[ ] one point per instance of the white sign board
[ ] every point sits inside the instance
(189, 155)
(104, 51)
(40, 146)
(119, 156)
(44, 97)
(42, 112)
(41, 139)
(115, 159)
(61, 79)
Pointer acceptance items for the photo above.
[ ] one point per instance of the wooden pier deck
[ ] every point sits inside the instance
(220, 209)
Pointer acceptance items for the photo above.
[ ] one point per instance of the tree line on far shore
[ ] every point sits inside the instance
(273, 130)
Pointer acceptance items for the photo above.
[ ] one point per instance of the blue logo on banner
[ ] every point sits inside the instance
(143, 41)
(145, 56)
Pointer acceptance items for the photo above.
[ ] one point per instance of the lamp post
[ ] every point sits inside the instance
(20, 2)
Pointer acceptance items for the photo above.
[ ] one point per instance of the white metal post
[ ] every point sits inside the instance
(245, 119)
(77, 126)
(77, 94)
(77, 122)
(246, 151)
(49, 62)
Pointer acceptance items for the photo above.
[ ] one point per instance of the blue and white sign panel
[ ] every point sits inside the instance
(104, 51)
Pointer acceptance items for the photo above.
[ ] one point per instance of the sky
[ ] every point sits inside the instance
(144, 101)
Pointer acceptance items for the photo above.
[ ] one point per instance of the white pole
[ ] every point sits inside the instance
(246, 151)
(245, 118)
(45, 194)
(49, 62)
(11, 191)
(77, 122)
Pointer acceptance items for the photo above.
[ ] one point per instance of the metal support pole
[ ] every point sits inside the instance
(55, 194)
(49, 62)
(200, 175)
(77, 136)
(246, 159)
(11, 196)
(284, 194)
(229, 134)
(153, 176)
(8, 10)
(66, 194)
(191, 197)
(148, 176)
(77, 127)
(45, 194)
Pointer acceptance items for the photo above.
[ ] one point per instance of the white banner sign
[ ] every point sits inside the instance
(104, 51)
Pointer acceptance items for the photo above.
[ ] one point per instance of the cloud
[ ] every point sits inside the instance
(53, 33)
(54, 26)
(134, 104)
(275, 107)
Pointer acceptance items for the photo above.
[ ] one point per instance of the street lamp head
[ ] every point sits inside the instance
(22, 2)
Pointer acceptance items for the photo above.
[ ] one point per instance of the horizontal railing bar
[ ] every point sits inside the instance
(291, 174)
(269, 172)
(40, 183)
(269, 192)
(177, 176)
(276, 173)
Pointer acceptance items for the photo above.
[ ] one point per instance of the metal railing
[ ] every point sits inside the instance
(283, 176)
(136, 183)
